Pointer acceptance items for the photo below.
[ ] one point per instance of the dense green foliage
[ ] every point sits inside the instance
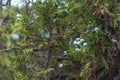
(57, 40)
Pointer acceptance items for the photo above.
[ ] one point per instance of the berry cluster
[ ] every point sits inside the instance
(79, 42)
(57, 5)
(62, 7)
(62, 3)
(95, 30)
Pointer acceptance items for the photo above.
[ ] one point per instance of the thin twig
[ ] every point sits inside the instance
(8, 49)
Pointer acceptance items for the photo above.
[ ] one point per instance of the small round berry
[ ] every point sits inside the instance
(56, 5)
(46, 35)
(107, 5)
(42, 1)
(61, 65)
(65, 52)
(77, 49)
(96, 28)
(59, 7)
(82, 40)
(78, 43)
(66, 5)
(85, 44)
(93, 31)
(18, 15)
(77, 39)
(75, 42)
(63, 2)
(15, 36)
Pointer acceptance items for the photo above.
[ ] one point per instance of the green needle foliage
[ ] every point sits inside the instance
(60, 40)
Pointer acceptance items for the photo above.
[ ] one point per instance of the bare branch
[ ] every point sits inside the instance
(4, 50)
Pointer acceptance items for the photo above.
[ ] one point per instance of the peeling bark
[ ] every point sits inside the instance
(116, 50)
